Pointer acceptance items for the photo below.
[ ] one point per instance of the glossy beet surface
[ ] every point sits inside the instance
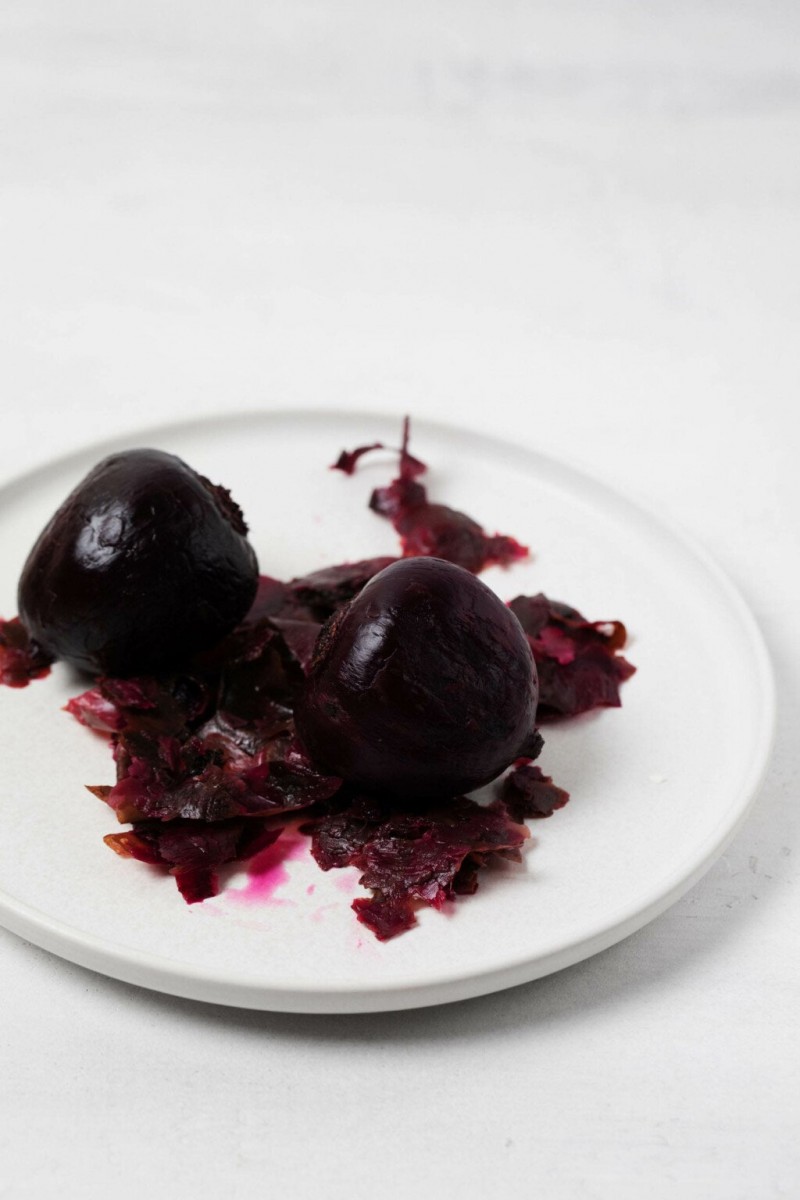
(423, 686)
(145, 563)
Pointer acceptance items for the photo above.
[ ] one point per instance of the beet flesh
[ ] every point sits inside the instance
(423, 686)
(145, 563)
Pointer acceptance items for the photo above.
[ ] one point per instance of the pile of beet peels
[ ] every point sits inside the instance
(209, 770)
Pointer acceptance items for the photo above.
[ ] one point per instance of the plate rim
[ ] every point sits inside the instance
(164, 975)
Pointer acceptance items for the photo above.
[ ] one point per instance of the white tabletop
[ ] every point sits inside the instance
(574, 225)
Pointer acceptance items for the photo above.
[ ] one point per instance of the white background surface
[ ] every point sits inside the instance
(574, 225)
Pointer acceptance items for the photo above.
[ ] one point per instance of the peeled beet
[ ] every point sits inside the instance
(423, 686)
(145, 563)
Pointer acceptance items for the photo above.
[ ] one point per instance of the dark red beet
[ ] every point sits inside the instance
(432, 530)
(21, 658)
(577, 661)
(424, 685)
(144, 563)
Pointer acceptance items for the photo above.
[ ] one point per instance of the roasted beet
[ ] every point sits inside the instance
(144, 563)
(423, 686)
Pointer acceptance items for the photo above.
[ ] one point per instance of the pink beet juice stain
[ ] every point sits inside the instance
(267, 872)
(347, 882)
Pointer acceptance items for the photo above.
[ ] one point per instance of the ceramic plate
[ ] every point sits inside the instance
(658, 787)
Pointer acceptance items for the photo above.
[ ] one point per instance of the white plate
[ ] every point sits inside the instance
(658, 787)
